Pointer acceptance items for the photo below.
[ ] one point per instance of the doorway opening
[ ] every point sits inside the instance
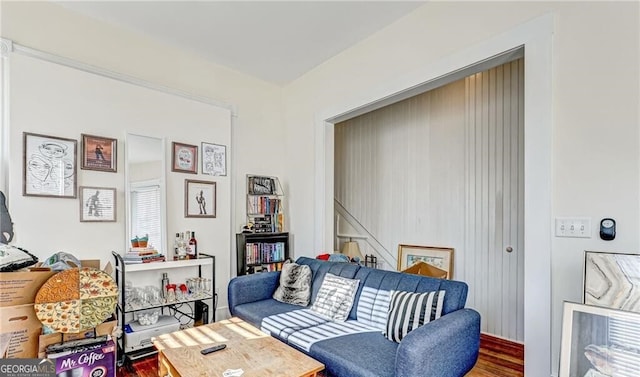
(535, 37)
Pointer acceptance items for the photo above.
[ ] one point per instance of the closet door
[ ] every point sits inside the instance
(494, 232)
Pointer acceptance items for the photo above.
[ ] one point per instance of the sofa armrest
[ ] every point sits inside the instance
(251, 288)
(446, 347)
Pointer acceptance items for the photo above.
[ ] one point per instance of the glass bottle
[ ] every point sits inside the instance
(193, 245)
(176, 247)
(182, 250)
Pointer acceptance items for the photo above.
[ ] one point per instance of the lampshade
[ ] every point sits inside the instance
(352, 250)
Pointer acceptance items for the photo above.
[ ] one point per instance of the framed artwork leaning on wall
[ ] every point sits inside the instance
(599, 342)
(440, 257)
(612, 280)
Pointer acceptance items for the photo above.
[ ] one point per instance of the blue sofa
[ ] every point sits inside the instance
(446, 347)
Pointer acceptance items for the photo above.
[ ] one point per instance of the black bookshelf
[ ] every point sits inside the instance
(257, 252)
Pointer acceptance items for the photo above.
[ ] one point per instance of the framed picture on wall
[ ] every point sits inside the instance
(440, 257)
(612, 280)
(99, 153)
(97, 204)
(184, 158)
(49, 166)
(199, 198)
(597, 342)
(214, 159)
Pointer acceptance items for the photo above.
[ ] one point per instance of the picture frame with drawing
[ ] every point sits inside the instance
(97, 204)
(184, 158)
(199, 198)
(597, 342)
(99, 153)
(49, 166)
(440, 257)
(214, 159)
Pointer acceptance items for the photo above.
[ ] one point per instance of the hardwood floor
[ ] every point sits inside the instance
(498, 358)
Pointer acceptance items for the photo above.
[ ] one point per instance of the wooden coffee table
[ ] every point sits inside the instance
(248, 348)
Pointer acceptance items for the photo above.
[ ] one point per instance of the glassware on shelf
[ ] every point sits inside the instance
(147, 319)
(171, 293)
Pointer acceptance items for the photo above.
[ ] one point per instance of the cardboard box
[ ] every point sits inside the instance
(105, 328)
(19, 332)
(422, 268)
(20, 328)
(97, 361)
(19, 288)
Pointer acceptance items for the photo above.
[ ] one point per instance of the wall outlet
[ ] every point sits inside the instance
(579, 227)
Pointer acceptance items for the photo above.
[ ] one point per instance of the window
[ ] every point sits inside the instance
(146, 212)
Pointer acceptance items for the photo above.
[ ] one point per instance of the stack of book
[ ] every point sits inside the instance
(142, 255)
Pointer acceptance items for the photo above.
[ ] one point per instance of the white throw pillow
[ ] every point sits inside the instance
(335, 297)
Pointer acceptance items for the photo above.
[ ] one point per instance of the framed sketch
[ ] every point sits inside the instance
(259, 185)
(440, 257)
(49, 166)
(199, 198)
(214, 159)
(99, 153)
(598, 342)
(97, 204)
(612, 280)
(184, 158)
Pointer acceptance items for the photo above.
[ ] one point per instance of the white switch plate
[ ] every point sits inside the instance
(579, 227)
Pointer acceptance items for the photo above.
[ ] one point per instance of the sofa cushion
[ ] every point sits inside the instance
(335, 297)
(367, 354)
(408, 311)
(391, 280)
(284, 324)
(295, 284)
(254, 312)
(373, 307)
(307, 337)
(319, 268)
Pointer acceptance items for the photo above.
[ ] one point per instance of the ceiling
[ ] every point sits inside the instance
(274, 41)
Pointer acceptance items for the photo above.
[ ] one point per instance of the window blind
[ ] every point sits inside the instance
(145, 200)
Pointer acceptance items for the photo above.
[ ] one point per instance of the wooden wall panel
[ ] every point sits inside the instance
(445, 168)
(399, 170)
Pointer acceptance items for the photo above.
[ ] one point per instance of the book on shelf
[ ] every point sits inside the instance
(264, 252)
(147, 260)
(269, 267)
(142, 256)
(264, 205)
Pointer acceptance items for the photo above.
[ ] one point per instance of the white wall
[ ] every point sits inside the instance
(595, 113)
(595, 100)
(257, 122)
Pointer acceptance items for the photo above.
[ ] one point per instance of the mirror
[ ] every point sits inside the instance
(146, 190)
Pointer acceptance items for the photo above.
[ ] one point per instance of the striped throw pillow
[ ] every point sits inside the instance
(335, 297)
(408, 311)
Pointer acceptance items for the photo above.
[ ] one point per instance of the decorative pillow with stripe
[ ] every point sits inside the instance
(408, 311)
(335, 297)
(295, 284)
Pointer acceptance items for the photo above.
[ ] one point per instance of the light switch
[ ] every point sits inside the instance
(579, 227)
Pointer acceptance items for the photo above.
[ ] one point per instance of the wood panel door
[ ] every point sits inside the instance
(494, 239)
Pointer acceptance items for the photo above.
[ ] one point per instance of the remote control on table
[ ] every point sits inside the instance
(209, 350)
